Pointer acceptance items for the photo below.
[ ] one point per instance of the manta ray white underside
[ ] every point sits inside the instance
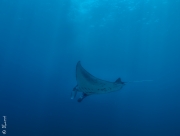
(88, 84)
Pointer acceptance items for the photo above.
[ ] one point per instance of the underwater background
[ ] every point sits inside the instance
(136, 40)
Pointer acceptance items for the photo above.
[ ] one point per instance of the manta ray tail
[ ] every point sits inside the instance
(139, 81)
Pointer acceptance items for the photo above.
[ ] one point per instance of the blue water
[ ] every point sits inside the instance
(41, 42)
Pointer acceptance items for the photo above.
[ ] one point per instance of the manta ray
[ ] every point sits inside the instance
(89, 84)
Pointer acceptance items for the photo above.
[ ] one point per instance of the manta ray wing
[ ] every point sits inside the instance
(89, 84)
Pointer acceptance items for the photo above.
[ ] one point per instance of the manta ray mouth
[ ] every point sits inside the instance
(89, 84)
